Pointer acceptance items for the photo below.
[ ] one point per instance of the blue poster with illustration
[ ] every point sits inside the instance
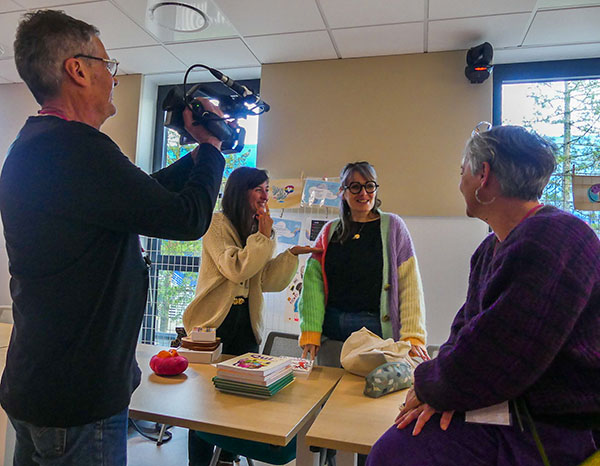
(288, 231)
(320, 193)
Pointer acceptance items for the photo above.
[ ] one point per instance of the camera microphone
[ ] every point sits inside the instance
(248, 94)
(239, 88)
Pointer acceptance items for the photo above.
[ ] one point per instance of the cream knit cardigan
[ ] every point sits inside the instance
(228, 270)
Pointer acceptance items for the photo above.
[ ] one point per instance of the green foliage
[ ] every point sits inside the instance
(173, 296)
(569, 110)
(175, 290)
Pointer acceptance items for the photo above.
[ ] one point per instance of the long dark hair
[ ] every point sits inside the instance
(367, 171)
(235, 199)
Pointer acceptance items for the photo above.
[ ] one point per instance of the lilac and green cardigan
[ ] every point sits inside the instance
(402, 305)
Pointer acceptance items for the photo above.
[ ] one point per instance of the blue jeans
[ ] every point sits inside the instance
(100, 443)
(338, 324)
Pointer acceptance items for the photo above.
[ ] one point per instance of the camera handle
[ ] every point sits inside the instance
(212, 122)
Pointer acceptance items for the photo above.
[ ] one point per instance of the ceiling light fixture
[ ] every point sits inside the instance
(179, 17)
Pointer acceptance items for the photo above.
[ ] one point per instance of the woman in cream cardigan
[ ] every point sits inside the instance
(238, 266)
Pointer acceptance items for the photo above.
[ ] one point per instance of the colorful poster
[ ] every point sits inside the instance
(586, 192)
(285, 194)
(293, 292)
(287, 231)
(320, 193)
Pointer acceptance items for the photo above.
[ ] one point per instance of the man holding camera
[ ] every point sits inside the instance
(72, 207)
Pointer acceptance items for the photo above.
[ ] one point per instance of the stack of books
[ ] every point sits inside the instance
(253, 374)
(202, 346)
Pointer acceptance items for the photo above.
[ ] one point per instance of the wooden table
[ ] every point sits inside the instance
(351, 422)
(190, 400)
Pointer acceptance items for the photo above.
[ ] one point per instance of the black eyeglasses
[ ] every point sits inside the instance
(355, 187)
(112, 65)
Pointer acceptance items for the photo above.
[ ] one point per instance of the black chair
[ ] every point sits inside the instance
(282, 344)
(433, 350)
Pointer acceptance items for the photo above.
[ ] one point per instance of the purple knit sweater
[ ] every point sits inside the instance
(530, 325)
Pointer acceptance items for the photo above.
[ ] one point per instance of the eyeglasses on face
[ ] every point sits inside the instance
(112, 65)
(355, 187)
(481, 127)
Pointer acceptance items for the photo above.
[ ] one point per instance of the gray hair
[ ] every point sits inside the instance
(367, 171)
(44, 40)
(521, 161)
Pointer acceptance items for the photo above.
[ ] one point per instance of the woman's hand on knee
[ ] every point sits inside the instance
(423, 414)
(414, 408)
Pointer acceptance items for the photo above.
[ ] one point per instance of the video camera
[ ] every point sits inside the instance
(242, 103)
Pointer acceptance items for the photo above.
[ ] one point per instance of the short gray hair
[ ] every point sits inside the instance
(521, 161)
(44, 40)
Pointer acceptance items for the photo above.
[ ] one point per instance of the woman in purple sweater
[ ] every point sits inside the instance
(529, 330)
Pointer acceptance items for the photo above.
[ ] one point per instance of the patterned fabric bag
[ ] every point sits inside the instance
(389, 377)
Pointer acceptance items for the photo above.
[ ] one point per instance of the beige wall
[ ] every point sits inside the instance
(18, 103)
(408, 115)
(123, 127)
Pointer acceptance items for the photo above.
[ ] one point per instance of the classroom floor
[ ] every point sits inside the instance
(143, 452)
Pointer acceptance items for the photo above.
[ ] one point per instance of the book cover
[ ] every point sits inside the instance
(255, 363)
(301, 366)
(256, 379)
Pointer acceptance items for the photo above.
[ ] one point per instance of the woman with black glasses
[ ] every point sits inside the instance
(366, 276)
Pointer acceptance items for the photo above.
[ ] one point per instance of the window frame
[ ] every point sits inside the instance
(171, 262)
(586, 68)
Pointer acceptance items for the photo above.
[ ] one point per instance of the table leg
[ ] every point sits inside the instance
(305, 457)
(346, 458)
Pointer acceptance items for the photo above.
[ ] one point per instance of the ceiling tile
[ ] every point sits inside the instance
(459, 34)
(153, 59)
(297, 46)
(379, 40)
(31, 4)
(215, 53)
(8, 29)
(261, 17)
(116, 29)
(219, 26)
(533, 54)
(8, 71)
(204, 76)
(564, 27)
(443, 9)
(544, 4)
(9, 5)
(350, 13)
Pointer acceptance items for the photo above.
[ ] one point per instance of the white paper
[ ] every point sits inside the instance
(495, 414)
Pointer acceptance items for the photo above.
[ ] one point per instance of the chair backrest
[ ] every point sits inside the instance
(433, 350)
(6, 314)
(282, 344)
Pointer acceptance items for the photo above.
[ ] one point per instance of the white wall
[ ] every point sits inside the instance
(443, 245)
